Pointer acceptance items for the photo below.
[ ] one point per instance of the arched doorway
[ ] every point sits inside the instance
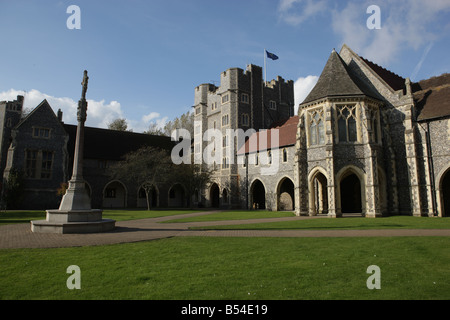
(445, 194)
(214, 195)
(318, 198)
(285, 195)
(114, 195)
(176, 196)
(350, 188)
(258, 193)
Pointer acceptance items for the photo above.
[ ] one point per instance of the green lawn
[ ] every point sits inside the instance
(234, 268)
(356, 223)
(235, 215)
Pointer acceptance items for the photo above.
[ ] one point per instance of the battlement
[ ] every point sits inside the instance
(15, 105)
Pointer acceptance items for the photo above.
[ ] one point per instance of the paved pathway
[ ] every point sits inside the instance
(20, 235)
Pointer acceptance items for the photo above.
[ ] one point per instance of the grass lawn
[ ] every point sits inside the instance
(357, 223)
(234, 268)
(235, 215)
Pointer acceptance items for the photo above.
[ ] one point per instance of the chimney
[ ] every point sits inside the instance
(60, 115)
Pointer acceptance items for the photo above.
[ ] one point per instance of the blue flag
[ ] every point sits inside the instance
(271, 55)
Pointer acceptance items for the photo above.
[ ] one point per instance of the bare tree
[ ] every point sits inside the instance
(145, 167)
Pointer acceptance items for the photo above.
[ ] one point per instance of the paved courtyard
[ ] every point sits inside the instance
(20, 235)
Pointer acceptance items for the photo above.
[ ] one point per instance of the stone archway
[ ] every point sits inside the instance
(176, 196)
(214, 195)
(350, 187)
(444, 187)
(258, 195)
(285, 195)
(318, 197)
(115, 195)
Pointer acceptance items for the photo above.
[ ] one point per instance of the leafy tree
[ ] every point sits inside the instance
(145, 167)
(185, 121)
(119, 124)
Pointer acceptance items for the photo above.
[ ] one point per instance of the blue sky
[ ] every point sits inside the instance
(145, 57)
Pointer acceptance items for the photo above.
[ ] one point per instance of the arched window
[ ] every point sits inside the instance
(316, 128)
(347, 123)
(284, 155)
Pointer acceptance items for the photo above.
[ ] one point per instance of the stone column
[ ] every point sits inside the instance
(75, 214)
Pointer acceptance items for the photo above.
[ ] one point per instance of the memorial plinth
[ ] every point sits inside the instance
(75, 214)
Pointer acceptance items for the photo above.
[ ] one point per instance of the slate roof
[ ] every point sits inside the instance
(393, 80)
(432, 97)
(338, 80)
(287, 136)
(107, 144)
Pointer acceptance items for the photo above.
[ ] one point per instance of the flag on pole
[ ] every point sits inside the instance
(271, 55)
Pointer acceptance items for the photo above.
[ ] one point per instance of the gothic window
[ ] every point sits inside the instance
(225, 163)
(41, 133)
(273, 105)
(46, 168)
(244, 98)
(347, 123)
(245, 119)
(31, 163)
(316, 127)
(38, 164)
(284, 155)
(225, 98)
(225, 120)
(225, 141)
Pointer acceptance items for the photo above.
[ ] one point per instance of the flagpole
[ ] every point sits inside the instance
(265, 67)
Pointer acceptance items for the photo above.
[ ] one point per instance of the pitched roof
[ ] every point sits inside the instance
(44, 104)
(112, 144)
(337, 80)
(432, 97)
(393, 80)
(287, 136)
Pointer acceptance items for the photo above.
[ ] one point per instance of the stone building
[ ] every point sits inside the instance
(367, 141)
(42, 146)
(242, 101)
(364, 141)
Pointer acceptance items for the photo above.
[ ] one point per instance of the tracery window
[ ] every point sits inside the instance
(347, 123)
(316, 127)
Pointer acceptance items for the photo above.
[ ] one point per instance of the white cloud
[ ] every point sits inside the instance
(99, 115)
(149, 117)
(302, 87)
(309, 8)
(405, 24)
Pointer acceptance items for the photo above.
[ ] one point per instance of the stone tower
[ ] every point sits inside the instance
(10, 115)
(242, 101)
